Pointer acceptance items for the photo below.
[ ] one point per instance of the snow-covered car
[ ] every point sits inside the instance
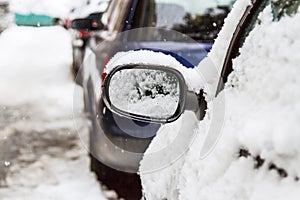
(247, 144)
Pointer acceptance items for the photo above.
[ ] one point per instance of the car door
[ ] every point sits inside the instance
(257, 150)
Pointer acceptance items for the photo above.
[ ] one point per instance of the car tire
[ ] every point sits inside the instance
(126, 185)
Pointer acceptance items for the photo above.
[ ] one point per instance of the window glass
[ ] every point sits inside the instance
(199, 19)
(116, 11)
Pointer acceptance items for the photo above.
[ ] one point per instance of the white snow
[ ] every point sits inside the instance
(54, 8)
(59, 8)
(262, 114)
(36, 66)
(36, 79)
(155, 58)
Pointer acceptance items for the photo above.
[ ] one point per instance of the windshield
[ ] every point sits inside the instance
(199, 19)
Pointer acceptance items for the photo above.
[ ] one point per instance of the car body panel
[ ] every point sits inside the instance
(188, 54)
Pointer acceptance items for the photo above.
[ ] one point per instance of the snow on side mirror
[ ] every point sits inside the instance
(150, 93)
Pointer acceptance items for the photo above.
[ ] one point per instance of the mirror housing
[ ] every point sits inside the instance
(128, 76)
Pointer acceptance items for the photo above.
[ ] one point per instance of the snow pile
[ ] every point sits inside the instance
(258, 155)
(36, 66)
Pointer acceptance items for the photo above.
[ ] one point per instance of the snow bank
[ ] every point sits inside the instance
(36, 85)
(262, 115)
(36, 66)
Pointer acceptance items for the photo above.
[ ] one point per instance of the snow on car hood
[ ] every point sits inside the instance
(259, 150)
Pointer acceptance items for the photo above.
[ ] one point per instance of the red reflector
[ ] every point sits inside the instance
(103, 76)
(83, 34)
(94, 23)
(68, 23)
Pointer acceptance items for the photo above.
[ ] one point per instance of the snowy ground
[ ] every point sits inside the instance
(41, 155)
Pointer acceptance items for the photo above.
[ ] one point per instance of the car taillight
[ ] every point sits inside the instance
(68, 23)
(104, 74)
(95, 24)
(84, 34)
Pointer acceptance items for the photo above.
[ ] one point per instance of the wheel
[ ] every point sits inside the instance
(127, 185)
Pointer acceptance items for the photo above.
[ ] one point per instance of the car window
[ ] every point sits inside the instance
(117, 10)
(201, 20)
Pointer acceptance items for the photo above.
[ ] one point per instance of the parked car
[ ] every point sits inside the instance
(83, 22)
(83, 30)
(256, 54)
(184, 31)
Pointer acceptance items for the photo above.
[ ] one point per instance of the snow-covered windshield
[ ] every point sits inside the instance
(152, 93)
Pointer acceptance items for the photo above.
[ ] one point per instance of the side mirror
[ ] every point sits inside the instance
(150, 93)
(86, 23)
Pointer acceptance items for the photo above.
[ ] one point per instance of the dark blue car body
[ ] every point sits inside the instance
(189, 54)
(111, 135)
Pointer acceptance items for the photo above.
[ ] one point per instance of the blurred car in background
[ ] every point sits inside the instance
(83, 22)
(200, 21)
(83, 30)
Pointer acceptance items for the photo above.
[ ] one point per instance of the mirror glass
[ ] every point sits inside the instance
(153, 93)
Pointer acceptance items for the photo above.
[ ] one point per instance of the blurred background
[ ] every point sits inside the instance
(41, 155)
